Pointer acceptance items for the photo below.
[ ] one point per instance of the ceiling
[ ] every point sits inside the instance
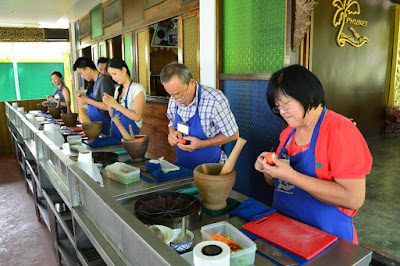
(43, 13)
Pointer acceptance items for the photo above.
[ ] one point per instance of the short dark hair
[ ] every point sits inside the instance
(119, 64)
(84, 62)
(57, 73)
(102, 60)
(176, 69)
(299, 83)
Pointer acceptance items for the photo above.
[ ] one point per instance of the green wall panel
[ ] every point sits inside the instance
(253, 36)
(128, 52)
(7, 82)
(34, 79)
(102, 47)
(96, 22)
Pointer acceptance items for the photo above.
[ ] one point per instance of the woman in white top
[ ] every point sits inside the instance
(128, 101)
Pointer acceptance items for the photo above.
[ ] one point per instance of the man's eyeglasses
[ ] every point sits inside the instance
(285, 106)
(177, 96)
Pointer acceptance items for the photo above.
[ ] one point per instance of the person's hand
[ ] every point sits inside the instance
(82, 99)
(50, 99)
(194, 144)
(281, 169)
(173, 137)
(45, 103)
(110, 101)
(259, 164)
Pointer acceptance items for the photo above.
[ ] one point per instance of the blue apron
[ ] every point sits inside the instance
(60, 95)
(114, 132)
(95, 115)
(300, 205)
(192, 159)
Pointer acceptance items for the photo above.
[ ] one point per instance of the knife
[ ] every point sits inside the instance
(274, 253)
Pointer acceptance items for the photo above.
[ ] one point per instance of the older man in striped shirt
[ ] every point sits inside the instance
(200, 118)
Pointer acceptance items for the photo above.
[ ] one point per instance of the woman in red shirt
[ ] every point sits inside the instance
(324, 185)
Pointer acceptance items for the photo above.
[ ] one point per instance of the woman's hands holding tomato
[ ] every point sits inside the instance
(50, 98)
(268, 158)
(109, 100)
(268, 164)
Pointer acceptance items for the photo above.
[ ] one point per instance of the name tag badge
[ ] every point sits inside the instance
(184, 129)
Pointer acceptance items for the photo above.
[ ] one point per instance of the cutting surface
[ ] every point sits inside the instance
(296, 237)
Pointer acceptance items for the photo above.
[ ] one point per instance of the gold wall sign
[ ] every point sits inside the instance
(22, 34)
(345, 9)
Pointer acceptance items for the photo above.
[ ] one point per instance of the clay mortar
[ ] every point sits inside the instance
(214, 188)
(55, 112)
(92, 129)
(69, 119)
(137, 147)
(42, 108)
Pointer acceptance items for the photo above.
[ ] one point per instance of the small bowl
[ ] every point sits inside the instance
(167, 233)
(181, 247)
(60, 206)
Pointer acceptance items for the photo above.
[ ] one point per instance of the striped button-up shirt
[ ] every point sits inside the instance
(215, 114)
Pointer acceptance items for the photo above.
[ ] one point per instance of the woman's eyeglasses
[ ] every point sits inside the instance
(285, 106)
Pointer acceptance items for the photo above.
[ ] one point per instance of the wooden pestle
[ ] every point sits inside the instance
(131, 131)
(230, 163)
(205, 170)
(68, 107)
(85, 117)
(121, 128)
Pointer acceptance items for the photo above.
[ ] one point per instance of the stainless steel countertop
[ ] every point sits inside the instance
(343, 253)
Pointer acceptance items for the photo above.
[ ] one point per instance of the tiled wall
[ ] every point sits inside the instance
(259, 126)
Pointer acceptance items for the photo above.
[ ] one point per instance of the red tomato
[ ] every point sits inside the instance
(182, 141)
(268, 158)
(234, 247)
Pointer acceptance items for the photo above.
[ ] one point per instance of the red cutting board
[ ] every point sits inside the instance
(300, 239)
(76, 129)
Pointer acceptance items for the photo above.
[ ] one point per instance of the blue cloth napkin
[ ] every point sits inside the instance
(155, 171)
(251, 210)
(301, 261)
(101, 142)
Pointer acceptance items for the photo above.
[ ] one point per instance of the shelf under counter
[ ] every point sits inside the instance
(31, 146)
(42, 205)
(64, 219)
(56, 182)
(98, 240)
(67, 252)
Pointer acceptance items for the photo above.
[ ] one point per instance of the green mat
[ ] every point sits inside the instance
(192, 190)
(120, 152)
(231, 204)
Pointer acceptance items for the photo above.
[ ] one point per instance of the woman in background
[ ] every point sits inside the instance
(128, 101)
(61, 92)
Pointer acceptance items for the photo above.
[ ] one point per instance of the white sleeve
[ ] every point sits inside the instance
(133, 92)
